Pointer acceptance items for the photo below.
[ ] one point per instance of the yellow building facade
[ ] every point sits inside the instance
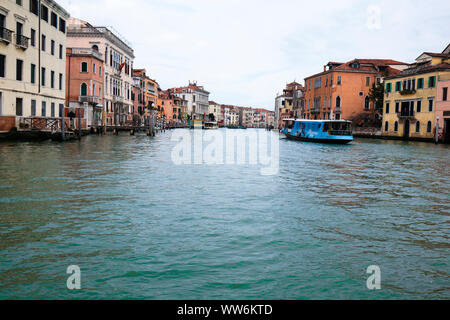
(410, 100)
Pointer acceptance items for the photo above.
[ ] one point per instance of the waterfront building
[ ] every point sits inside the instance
(215, 109)
(246, 117)
(173, 107)
(231, 115)
(197, 100)
(84, 93)
(341, 91)
(271, 119)
(150, 95)
(32, 62)
(416, 100)
(284, 103)
(141, 113)
(118, 67)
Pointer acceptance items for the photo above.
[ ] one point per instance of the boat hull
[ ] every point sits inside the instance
(318, 140)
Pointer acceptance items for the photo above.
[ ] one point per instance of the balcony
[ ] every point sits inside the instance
(87, 52)
(406, 114)
(21, 41)
(315, 110)
(407, 92)
(88, 99)
(5, 35)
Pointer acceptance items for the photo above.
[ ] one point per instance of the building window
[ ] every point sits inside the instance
(61, 109)
(44, 13)
(429, 125)
(386, 126)
(396, 126)
(60, 51)
(19, 69)
(2, 66)
(33, 108)
(52, 110)
(430, 105)
(44, 109)
(388, 87)
(62, 25)
(339, 80)
(33, 73)
(397, 107)
(52, 47)
(100, 71)
(60, 81)
(83, 91)
(43, 43)
(54, 20)
(338, 102)
(417, 126)
(33, 38)
(367, 103)
(419, 105)
(387, 107)
(84, 67)
(34, 6)
(94, 68)
(19, 2)
(52, 79)
(444, 94)
(398, 86)
(367, 81)
(431, 82)
(420, 83)
(43, 76)
(19, 107)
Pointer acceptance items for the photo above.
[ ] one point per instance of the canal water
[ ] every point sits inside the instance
(140, 227)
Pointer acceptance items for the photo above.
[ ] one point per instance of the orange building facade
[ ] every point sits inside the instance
(341, 91)
(84, 83)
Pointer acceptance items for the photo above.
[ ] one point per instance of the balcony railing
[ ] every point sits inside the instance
(406, 114)
(87, 51)
(407, 92)
(5, 35)
(315, 110)
(21, 41)
(88, 99)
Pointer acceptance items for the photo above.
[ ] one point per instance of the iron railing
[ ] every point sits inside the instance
(5, 34)
(21, 41)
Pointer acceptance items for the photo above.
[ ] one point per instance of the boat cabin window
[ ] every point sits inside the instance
(340, 126)
(289, 124)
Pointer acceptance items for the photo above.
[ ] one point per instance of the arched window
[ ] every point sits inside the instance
(95, 47)
(429, 127)
(83, 91)
(367, 103)
(396, 126)
(418, 126)
(84, 67)
(338, 102)
(386, 126)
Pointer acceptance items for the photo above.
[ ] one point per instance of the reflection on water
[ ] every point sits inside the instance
(140, 227)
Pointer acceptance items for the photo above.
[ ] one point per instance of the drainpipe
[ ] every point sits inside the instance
(39, 47)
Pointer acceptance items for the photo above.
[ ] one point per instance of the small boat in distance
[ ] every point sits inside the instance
(237, 127)
(210, 125)
(321, 131)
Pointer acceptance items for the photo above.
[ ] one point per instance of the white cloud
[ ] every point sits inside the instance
(245, 51)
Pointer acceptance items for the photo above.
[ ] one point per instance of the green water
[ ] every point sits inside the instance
(140, 227)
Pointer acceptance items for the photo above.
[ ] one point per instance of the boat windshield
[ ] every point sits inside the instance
(289, 124)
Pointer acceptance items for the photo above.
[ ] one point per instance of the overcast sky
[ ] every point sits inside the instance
(245, 51)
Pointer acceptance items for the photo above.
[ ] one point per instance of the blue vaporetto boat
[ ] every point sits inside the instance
(321, 131)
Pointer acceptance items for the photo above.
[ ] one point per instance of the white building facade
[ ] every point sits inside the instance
(32, 61)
